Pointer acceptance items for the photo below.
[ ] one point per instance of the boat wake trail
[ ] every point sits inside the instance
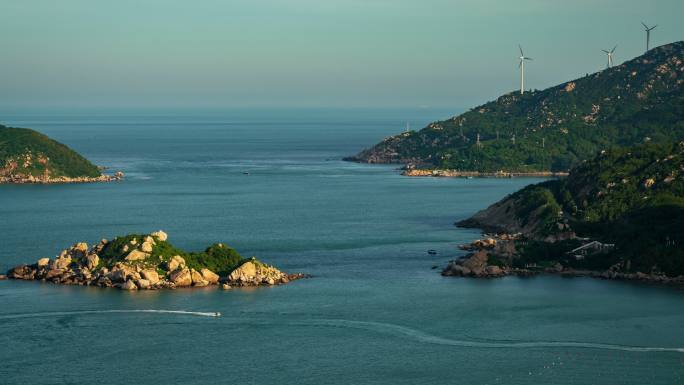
(86, 312)
(420, 336)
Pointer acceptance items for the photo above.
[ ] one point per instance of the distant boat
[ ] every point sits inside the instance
(245, 172)
(432, 252)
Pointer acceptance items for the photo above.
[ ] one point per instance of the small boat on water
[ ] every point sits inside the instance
(245, 173)
(432, 252)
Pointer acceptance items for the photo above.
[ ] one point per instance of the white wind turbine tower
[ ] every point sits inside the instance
(648, 34)
(610, 56)
(522, 69)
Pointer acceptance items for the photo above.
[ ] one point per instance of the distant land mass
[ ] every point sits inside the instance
(27, 156)
(638, 101)
(621, 213)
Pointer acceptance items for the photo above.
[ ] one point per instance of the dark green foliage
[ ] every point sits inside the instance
(218, 257)
(62, 161)
(555, 129)
(545, 254)
(538, 203)
(650, 238)
(495, 260)
(633, 197)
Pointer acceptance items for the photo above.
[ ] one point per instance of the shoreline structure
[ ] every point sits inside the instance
(447, 173)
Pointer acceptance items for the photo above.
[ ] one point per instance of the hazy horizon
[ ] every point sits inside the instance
(304, 53)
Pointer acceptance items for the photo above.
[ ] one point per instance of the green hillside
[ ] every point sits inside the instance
(25, 152)
(640, 100)
(632, 197)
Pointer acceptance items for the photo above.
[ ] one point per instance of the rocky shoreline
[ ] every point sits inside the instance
(444, 173)
(30, 179)
(477, 265)
(140, 269)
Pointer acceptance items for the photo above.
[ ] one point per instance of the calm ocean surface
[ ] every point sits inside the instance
(374, 313)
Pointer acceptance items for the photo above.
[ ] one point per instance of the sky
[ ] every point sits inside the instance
(309, 53)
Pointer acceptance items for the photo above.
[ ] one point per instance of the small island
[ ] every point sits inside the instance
(27, 156)
(619, 215)
(149, 262)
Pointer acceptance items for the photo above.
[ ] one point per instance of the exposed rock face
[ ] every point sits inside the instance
(253, 273)
(160, 235)
(92, 260)
(21, 272)
(175, 263)
(43, 262)
(181, 278)
(146, 247)
(79, 250)
(129, 285)
(136, 255)
(473, 265)
(61, 262)
(197, 279)
(209, 276)
(245, 272)
(150, 275)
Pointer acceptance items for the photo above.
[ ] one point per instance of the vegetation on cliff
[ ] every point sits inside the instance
(554, 129)
(630, 197)
(25, 153)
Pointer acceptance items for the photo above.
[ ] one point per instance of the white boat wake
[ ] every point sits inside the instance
(428, 338)
(378, 327)
(420, 336)
(86, 312)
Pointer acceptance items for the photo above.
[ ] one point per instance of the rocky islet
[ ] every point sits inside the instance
(142, 263)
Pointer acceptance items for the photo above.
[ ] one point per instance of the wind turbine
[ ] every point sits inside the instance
(648, 33)
(522, 69)
(610, 56)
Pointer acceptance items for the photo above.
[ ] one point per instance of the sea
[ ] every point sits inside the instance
(272, 184)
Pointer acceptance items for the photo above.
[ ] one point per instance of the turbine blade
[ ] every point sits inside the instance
(654, 27)
(613, 50)
(528, 58)
(521, 51)
(604, 50)
(644, 24)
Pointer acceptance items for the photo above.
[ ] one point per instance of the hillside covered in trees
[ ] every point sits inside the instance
(630, 197)
(29, 156)
(638, 101)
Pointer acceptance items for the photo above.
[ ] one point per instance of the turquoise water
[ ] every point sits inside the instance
(374, 313)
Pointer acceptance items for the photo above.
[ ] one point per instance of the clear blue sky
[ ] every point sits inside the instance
(308, 53)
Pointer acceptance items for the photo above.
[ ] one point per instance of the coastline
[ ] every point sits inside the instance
(565, 272)
(477, 265)
(446, 173)
(21, 179)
